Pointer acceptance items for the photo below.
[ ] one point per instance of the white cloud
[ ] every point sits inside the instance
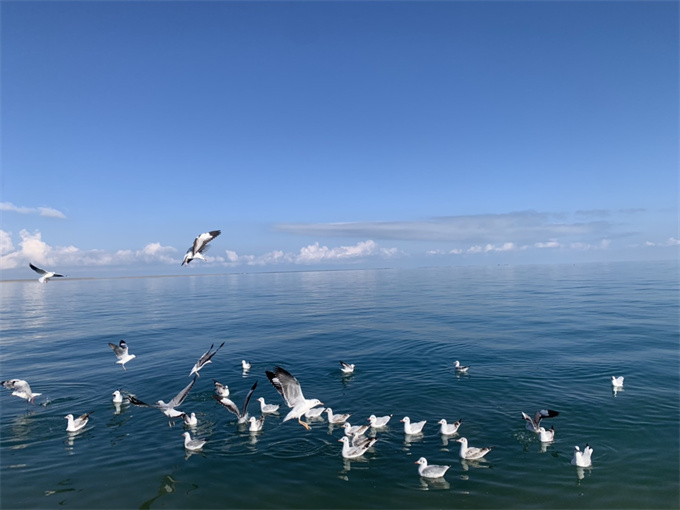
(671, 241)
(48, 212)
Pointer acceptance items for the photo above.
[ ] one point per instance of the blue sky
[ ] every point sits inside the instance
(328, 135)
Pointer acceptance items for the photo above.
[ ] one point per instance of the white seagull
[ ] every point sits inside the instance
(449, 429)
(200, 246)
(582, 458)
(221, 389)
(121, 352)
(45, 275)
(460, 368)
(169, 408)
(289, 388)
(546, 436)
(431, 471)
(74, 425)
(379, 422)
(267, 408)
(352, 452)
(190, 420)
(534, 423)
(205, 359)
(21, 389)
(336, 418)
(617, 382)
(413, 428)
(117, 397)
(245, 365)
(356, 430)
(256, 424)
(192, 444)
(242, 414)
(315, 412)
(347, 368)
(471, 453)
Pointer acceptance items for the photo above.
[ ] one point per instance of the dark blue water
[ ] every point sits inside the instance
(535, 337)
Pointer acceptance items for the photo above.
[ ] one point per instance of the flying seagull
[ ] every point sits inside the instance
(200, 246)
(242, 415)
(289, 388)
(121, 352)
(169, 408)
(534, 424)
(21, 389)
(45, 275)
(205, 359)
(74, 425)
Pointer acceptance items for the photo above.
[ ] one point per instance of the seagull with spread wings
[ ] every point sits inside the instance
(200, 246)
(45, 275)
(289, 388)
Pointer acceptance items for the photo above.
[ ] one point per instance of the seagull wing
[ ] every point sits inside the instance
(229, 404)
(17, 385)
(201, 242)
(247, 401)
(544, 413)
(345, 365)
(287, 385)
(208, 355)
(37, 269)
(179, 398)
(135, 401)
(119, 350)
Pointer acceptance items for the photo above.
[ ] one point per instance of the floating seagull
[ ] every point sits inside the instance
(242, 415)
(315, 412)
(432, 471)
(471, 453)
(117, 397)
(617, 382)
(221, 389)
(205, 359)
(267, 408)
(169, 408)
(352, 452)
(245, 365)
(256, 424)
(200, 246)
(413, 428)
(78, 423)
(449, 429)
(289, 388)
(356, 430)
(546, 436)
(460, 368)
(192, 444)
(347, 368)
(535, 423)
(190, 420)
(380, 422)
(336, 418)
(46, 275)
(21, 389)
(582, 458)
(121, 352)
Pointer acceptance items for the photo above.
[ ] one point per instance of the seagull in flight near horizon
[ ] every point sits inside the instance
(21, 389)
(205, 359)
(289, 388)
(242, 415)
(200, 246)
(121, 352)
(45, 275)
(169, 408)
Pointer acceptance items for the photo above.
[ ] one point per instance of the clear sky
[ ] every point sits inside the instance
(328, 135)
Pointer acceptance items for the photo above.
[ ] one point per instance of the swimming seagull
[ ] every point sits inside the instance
(245, 365)
(582, 458)
(221, 389)
(336, 418)
(74, 425)
(256, 424)
(117, 397)
(449, 429)
(546, 436)
(46, 275)
(535, 423)
(352, 452)
(315, 412)
(190, 420)
(267, 408)
(192, 444)
(205, 359)
(347, 368)
(460, 368)
(242, 415)
(121, 352)
(169, 408)
(431, 471)
(200, 246)
(21, 389)
(617, 382)
(413, 428)
(471, 453)
(354, 430)
(379, 422)
(289, 388)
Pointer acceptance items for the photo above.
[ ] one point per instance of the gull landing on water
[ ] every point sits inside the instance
(74, 425)
(200, 246)
(289, 388)
(121, 352)
(534, 423)
(169, 408)
(21, 389)
(45, 275)
(205, 359)
(242, 415)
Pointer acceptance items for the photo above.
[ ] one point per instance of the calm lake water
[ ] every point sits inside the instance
(535, 337)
